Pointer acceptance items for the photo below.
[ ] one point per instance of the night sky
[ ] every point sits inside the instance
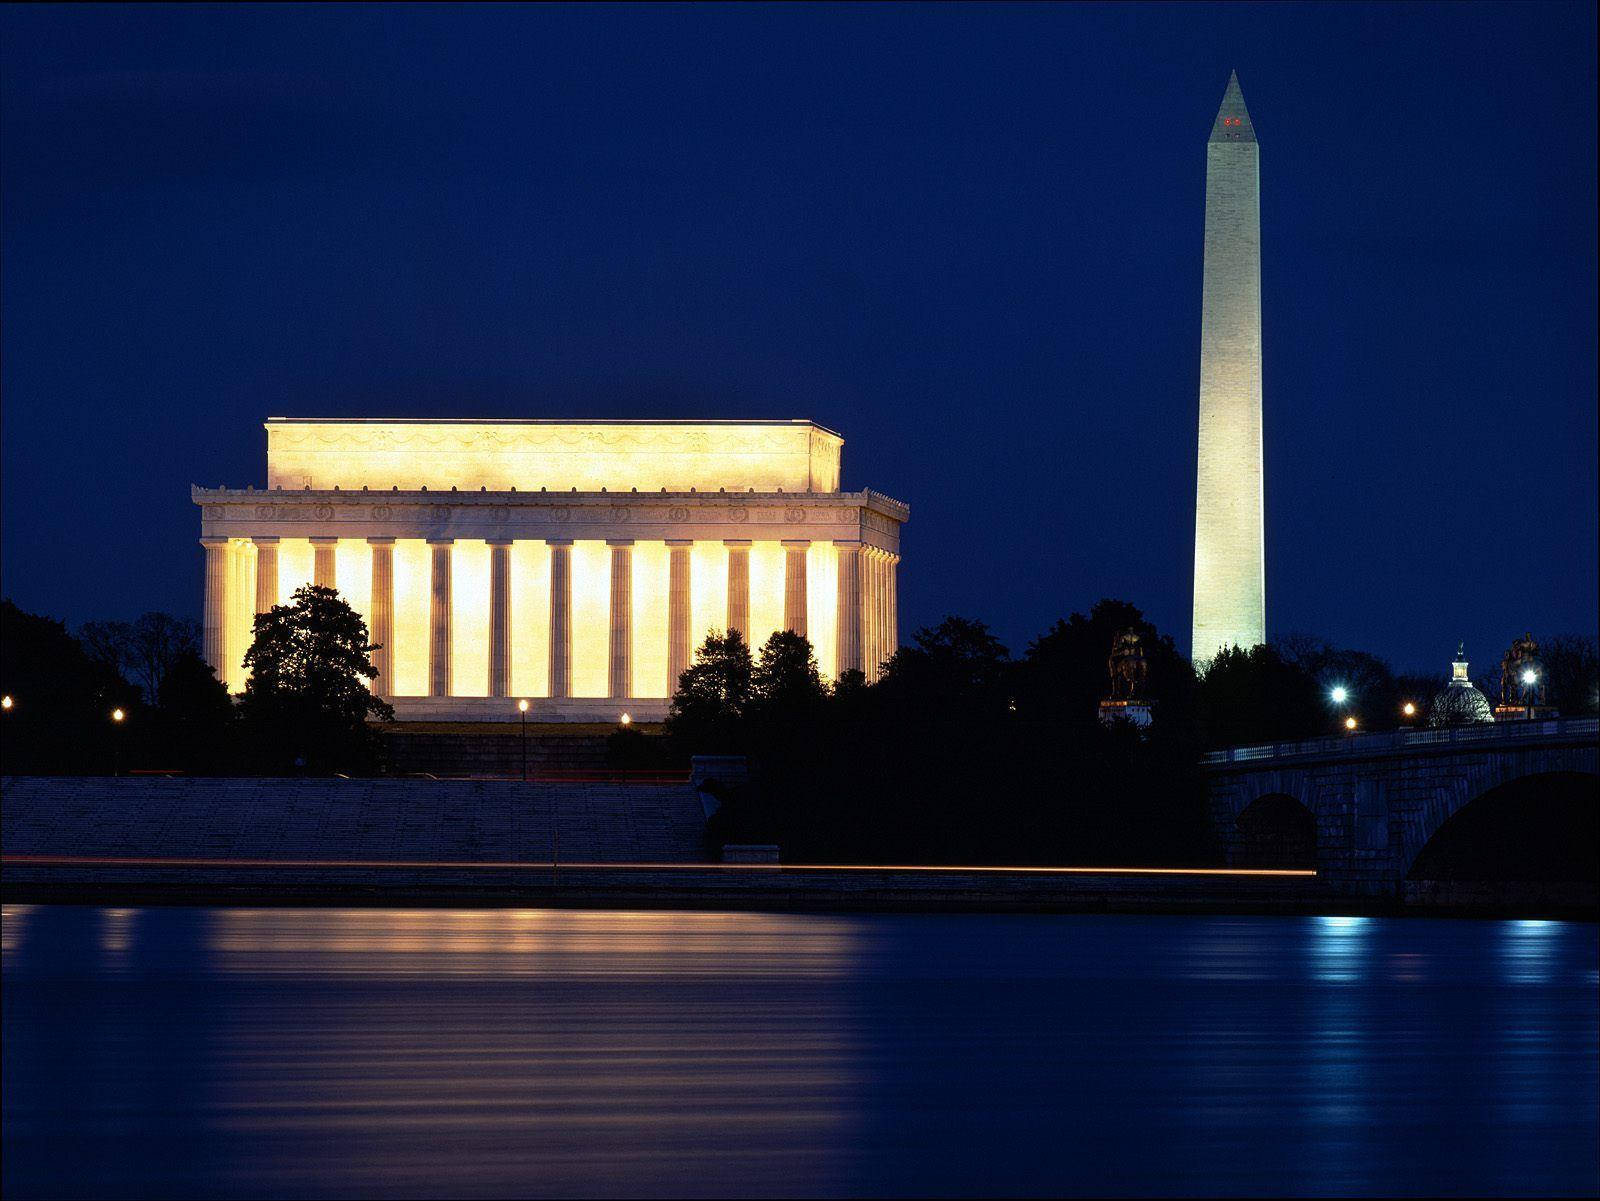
(967, 238)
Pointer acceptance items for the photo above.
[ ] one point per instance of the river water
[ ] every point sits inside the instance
(426, 1052)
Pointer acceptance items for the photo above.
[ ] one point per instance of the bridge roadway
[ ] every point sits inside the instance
(1377, 799)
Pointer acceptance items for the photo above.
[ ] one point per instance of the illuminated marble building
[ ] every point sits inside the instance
(1230, 591)
(577, 565)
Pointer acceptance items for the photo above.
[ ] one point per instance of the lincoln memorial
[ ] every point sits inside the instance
(576, 565)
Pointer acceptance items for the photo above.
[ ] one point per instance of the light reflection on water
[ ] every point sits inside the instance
(300, 1052)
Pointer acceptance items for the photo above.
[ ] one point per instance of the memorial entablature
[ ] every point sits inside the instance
(577, 565)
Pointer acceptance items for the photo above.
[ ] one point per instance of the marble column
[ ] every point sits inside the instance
(847, 625)
(439, 619)
(869, 611)
(894, 603)
(382, 631)
(215, 627)
(324, 573)
(560, 618)
(499, 617)
(794, 584)
(621, 676)
(880, 607)
(739, 585)
(679, 649)
(266, 572)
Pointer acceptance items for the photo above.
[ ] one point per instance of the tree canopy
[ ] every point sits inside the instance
(308, 697)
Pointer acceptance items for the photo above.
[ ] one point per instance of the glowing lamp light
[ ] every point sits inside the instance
(1339, 694)
(6, 703)
(1529, 676)
(117, 715)
(626, 719)
(1409, 709)
(522, 706)
(1349, 723)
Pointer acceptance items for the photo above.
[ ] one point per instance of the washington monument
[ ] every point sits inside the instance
(1229, 554)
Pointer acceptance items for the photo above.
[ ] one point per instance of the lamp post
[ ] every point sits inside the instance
(117, 718)
(1340, 696)
(522, 716)
(1529, 679)
(6, 703)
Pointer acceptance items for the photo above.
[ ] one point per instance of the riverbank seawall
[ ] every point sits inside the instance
(609, 844)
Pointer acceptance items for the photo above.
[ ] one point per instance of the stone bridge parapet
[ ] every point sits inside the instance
(1376, 799)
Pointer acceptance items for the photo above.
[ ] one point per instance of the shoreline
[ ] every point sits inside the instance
(763, 888)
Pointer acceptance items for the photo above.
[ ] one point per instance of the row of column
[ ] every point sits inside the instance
(866, 613)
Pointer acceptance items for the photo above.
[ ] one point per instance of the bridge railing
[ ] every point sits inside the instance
(1366, 744)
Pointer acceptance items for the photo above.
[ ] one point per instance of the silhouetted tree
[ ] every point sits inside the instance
(195, 720)
(785, 679)
(59, 722)
(706, 714)
(1571, 673)
(1419, 689)
(307, 702)
(1063, 677)
(1373, 695)
(143, 650)
(1258, 696)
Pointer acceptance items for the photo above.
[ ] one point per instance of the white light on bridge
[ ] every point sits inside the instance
(1339, 694)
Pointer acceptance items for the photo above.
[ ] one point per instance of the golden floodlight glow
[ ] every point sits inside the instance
(238, 611)
(408, 660)
(626, 719)
(591, 619)
(651, 565)
(352, 567)
(794, 456)
(1409, 710)
(295, 565)
(117, 715)
(6, 702)
(708, 592)
(469, 617)
(766, 593)
(822, 605)
(1349, 723)
(530, 617)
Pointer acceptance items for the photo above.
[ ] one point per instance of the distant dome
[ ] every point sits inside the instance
(1460, 703)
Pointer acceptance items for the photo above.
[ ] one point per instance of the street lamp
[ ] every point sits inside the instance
(1408, 709)
(117, 717)
(7, 703)
(626, 719)
(1339, 695)
(1529, 679)
(522, 716)
(1350, 724)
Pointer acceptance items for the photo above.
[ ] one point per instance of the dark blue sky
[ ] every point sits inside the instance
(968, 238)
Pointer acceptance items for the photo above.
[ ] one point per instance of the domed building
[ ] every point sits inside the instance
(1460, 703)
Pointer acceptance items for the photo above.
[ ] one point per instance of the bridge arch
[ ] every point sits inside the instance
(1530, 826)
(1275, 830)
(1379, 799)
(1479, 777)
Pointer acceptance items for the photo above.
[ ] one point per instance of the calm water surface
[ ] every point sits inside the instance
(423, 1053)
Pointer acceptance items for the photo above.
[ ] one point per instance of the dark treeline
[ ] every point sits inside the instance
(304, 711)
(960, 751)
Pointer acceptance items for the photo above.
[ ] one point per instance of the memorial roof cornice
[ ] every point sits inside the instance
(865, 498)
(621, 422)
